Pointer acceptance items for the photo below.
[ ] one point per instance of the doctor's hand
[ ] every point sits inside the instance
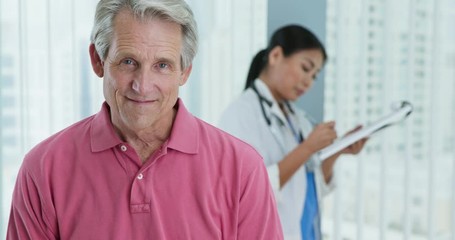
(357, 146)
(322, 135)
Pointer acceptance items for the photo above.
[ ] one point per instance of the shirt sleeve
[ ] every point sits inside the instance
(27, 218)
(258, 216)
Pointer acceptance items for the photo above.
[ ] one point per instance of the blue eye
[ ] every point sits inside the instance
(128, 61)
(163, 65)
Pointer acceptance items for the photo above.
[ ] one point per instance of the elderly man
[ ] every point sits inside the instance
(143, 167)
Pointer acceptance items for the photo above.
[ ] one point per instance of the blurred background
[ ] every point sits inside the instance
(380, 52)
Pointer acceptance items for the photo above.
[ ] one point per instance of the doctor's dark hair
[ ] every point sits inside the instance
(291, 38)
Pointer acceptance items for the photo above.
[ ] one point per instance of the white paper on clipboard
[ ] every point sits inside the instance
(399, 114)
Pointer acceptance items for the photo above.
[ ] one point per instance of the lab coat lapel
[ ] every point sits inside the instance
(278, 126)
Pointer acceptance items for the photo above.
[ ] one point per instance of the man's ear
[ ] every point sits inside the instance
(275, 54)
(95, 59)
(185, 74)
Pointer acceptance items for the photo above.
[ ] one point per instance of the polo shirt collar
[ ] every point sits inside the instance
(184, 135)
(102, 133)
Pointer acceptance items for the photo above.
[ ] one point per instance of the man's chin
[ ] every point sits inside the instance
(137, 121)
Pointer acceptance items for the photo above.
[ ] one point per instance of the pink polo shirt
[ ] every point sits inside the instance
(86, 183)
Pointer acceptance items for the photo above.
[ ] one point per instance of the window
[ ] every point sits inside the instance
(409, 158)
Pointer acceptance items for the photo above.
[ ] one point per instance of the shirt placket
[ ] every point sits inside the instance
(140, 195)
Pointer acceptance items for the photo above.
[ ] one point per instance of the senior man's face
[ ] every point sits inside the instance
(142, 72)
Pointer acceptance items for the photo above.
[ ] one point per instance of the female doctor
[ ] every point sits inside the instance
(265, 117)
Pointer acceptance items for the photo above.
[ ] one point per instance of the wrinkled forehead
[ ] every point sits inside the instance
(148, 29)
(143, 40)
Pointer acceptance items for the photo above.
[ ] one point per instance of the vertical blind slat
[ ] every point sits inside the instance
(49, 63)
(1, 123)
(410, 77)
(364, 90)
(338, 115)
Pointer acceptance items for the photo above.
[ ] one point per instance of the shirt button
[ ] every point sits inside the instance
(123, 148)
(140, 176)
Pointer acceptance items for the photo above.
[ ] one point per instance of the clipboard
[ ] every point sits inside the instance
(400, 112)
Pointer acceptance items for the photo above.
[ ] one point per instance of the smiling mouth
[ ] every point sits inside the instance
(140, 101)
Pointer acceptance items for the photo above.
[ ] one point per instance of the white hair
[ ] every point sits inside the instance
(176, 11)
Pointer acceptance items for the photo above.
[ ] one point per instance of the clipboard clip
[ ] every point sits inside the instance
(403, 104)
(396, 107)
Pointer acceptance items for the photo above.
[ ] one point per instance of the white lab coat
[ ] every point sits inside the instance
(244, 119)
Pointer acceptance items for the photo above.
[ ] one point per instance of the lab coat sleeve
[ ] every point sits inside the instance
(324, 188)
(274, 178)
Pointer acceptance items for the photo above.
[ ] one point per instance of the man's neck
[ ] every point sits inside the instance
(146, 141)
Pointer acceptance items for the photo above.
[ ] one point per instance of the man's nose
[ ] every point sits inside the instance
(143, 82)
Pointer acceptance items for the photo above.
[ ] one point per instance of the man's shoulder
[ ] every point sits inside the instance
(63, 140)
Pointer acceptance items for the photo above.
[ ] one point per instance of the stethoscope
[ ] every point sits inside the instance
(295, 130)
